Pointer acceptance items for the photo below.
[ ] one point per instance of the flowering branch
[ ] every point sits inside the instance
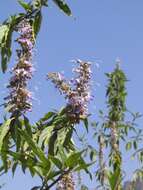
(76, 91)
(18, 99)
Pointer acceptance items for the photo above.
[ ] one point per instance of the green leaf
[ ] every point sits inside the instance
(4, 153)
(6, 38)
(14, 167)
(3, 32)
(128, 145)
(25, 5)
(56, 161)
(5, 43)
(45, 167)
(63, 6)
(73, 159)
(52, 141)
(53, 174)
(4, 129)
(38, 170)
(28, 126)
(37, 23)
(68, 138)
(45, 136)
(5, 47)
(135, 145)
(114, 179)
(93, 155)
(15, 155)
(38, 152)
(47, 116)
(85, 121)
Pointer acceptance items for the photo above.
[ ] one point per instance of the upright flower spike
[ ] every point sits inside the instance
(116, 96)
(80, 96)
(76, 91)
(19, 97)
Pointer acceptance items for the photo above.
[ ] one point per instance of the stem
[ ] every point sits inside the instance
(116, 155)
(101, 160)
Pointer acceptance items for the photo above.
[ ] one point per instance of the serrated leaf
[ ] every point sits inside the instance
(63, 6)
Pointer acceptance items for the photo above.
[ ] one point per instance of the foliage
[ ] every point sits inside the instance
(47, 148)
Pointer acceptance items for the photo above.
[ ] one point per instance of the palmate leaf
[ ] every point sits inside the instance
(63, 6)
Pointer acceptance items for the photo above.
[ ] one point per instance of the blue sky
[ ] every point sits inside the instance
(99, 31)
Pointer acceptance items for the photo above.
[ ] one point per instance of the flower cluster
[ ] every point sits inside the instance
(19, 97)
(77, 90)
(66, 183)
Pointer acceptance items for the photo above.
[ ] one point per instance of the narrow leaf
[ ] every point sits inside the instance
(4, 130)
(63, 6)
(25, 5)
(37, 23)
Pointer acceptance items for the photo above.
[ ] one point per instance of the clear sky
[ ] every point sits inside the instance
(99, 31)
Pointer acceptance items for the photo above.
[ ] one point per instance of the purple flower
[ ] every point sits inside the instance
(77, 90)
(19, 97)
